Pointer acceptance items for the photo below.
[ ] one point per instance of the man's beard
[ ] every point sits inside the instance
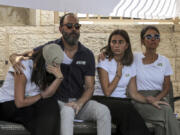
(71, 38)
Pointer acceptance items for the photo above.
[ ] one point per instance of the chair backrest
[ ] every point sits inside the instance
(170, 96)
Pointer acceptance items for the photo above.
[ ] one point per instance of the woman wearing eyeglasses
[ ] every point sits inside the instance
(153, 81)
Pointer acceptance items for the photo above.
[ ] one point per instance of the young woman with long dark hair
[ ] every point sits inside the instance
(117, 73)
(26, 98)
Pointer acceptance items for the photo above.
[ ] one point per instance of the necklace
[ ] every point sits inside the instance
(150, 59)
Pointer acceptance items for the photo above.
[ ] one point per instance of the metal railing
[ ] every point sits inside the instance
(98, 18)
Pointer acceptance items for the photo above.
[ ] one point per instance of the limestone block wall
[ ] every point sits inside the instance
(13, 15)
(23, 38)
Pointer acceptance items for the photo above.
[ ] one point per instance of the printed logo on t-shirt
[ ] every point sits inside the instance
(81, 62)
(160, 64)
(127, 75)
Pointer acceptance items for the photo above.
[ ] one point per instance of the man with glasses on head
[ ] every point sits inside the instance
(76, 89)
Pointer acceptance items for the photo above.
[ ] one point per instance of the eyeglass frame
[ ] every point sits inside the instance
(71, 25)
(150, 36)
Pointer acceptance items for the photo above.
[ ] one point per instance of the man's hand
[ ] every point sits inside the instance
(76, 106)
(88, 92)
(158, 103)
(101, 56)
(15, 60)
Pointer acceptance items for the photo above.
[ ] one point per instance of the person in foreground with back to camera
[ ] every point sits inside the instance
(25, 98)
(116, 74)
(153, 81)
(77, 87)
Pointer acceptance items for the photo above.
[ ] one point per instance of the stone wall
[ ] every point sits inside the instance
(13, 15)
(23, 38)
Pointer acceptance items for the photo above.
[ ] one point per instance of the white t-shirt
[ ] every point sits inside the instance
(151, 76)
(111, 67)
(7, 90)
(67, 60)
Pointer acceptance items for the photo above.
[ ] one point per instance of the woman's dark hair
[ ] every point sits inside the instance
(39, 74)
(145, 29)
(128, 55)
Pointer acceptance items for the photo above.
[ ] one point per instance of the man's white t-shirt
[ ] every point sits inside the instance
(7, 90)
(66, 59)
(151, 76)
(111, 67)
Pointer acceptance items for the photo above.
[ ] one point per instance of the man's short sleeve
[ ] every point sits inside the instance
(90, 68)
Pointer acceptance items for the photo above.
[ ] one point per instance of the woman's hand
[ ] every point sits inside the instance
(158, 103)
(119, 70)
(55, 70)
(50, 90)
(101, 56)
(151, 99)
